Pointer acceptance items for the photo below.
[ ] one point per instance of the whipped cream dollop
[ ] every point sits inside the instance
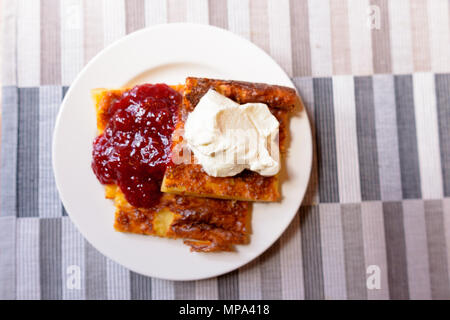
(227, 137)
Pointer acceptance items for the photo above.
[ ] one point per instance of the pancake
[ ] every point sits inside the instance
(206, 225)
(190, 179)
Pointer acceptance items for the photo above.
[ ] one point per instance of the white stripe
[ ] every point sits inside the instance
(155, 12)
(113, 20)
(71, 40)
(197, 11)
(48, 201)
(239, 17)
(27, 264)
(8, 258)
(291, 262)
(93, 28)
(28, 43)
(72, 259)
(250, 281)
(280, 33)
(332, 243)
(8, 35)
(118, 281)
(438, 20)
(427, 135)
(387, 139)
(320, 37)
(206, 289)
(162, 289)
(375, 246)
(401, 38)
(360, 37)
(346, 141)
(416, 249)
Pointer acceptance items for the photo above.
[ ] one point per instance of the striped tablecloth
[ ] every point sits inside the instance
(375, 77)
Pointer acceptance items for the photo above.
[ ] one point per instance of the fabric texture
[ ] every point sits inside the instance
(375, 79)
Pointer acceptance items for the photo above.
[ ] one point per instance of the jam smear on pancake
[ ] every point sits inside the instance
(134, 149)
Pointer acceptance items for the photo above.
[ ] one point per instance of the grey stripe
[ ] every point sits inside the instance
(50, 42)
(218, 13)
(355, 272)
(326, 140)
(118, 281)
(437, 250)
(291, 262)
(301, 53)
(95, 271)
(184, 290)
(228, 286)
(8, 163)
(135, 15)
(163, 289)
(271, 273)
(446, 213)
(375, 246)
(206, 289)
(64, 91)
(48, 200)
(311, 252)
(140, 286)
(28, 152)
(387, 140)
(333, 261)
(395, 250)
(443, 108)
(306, 91)
(407, 140)
(250, 281)
(7, 258)
(63, 211)
(367, 141)
(416, 249)
(73, 260)
(381, 45)
(50, 257)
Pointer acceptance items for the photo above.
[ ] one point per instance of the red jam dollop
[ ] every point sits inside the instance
(134, 149)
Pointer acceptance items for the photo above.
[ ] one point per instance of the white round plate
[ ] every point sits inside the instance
(168, 54)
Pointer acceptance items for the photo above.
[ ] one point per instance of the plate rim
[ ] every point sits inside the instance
(99, 56)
